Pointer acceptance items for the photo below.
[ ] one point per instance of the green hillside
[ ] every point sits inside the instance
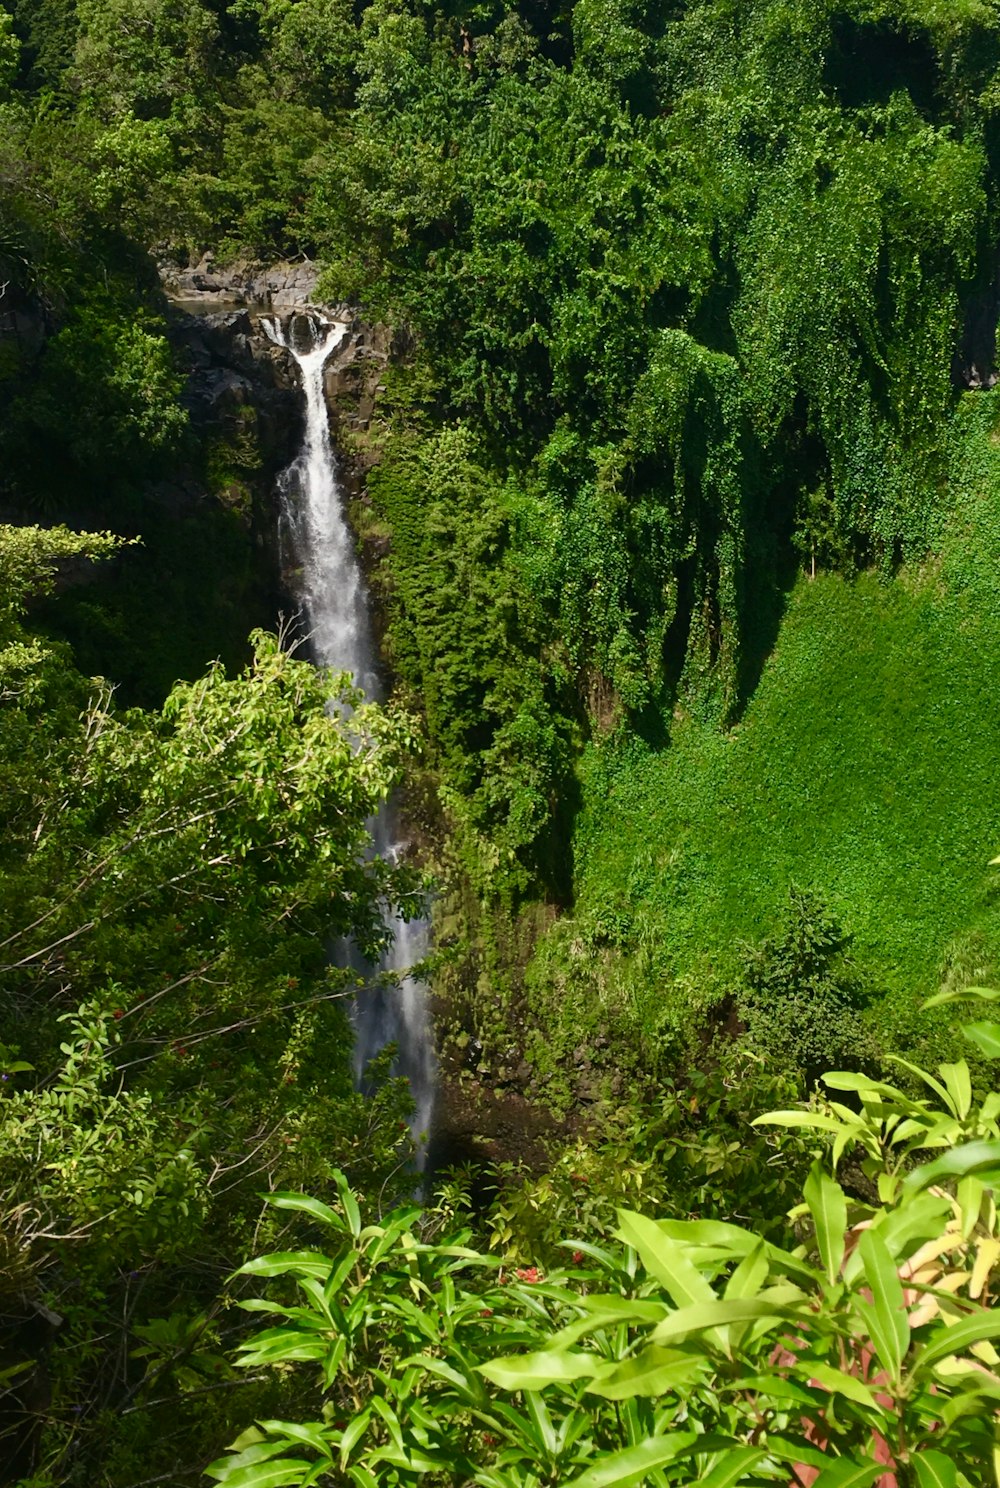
(864, 768)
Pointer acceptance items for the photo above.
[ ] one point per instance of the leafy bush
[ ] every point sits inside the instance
(800, 996)
(858, 1350)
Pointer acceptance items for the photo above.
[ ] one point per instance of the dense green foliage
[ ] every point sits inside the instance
(173, 1036)
(685, 550)
(690, 1351)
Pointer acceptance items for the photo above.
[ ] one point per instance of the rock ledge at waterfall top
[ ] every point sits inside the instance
(284, 285)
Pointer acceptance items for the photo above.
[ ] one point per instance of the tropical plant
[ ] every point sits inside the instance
(690, 1351)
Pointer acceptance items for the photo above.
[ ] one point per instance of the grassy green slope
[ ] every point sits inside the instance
(867, 766)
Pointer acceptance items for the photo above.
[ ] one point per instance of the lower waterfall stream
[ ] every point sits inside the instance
(334, 600)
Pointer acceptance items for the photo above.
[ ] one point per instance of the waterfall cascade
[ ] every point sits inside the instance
(335, 604)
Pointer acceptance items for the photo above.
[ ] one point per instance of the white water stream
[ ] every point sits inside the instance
(334, 600)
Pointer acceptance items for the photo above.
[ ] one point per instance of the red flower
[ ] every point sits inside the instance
(578, 1258)
(119, 1012)
(486, 1312)
(528, 1274)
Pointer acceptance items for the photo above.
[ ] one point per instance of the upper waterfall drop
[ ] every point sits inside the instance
(334, 599)
(330, 585)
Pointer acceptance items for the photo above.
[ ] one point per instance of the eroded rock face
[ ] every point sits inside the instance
(279, 286)
(232, 364)
(245, 404)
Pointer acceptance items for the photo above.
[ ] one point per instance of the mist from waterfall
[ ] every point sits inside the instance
(331, 589)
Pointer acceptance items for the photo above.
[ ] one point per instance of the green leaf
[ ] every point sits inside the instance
(730, 1240)
(935, 1470)
(350, 1204)
(811, 1119)
(972, 1157)
(886, 1316)
(750, 1275)
(282, 1472)
(707, 1315)
(956, 1338)
(304, 1204)
(958, 1083)
(985, 1036)
(828, 1207)
(352, 1435)
(907, 1228)
(537, 1370)
(283, 1262)
(965, 994)
(846, 1474)
(310, 1434)
(737, 1462)
(836, 1381)
(663, 1258)
(652, 1372)
(619, 1469)
(249, 1449)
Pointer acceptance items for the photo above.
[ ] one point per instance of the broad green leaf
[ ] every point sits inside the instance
(935, 1470)
(958, 1083)
(252, 1450)
(750, 1274)
(828, 1208)
(308, 1433)
(663, 1258)
(631, 1466)
(980, 1158)
(774, 1387)
(350, 1204)
(307, 1205)
(730, 1240)
(956, 1338)
(842, 1080)
(908, 1226)
(886, 1315)
(283, 1262)
(738, 1461)
(604, 1310)
(965, 994)
(537, 1370)
(542, 1422)
(652, 1372)
(283, 1472)
(978, 1401)
(835, 1380)
(812, 1119)
(796, 1451)
(382, 1408)
(707, 1315)
(352, 1435)
(969, 1193)
(846, 1474)
(921, 1074)
(985, 1036)
(904, 1229)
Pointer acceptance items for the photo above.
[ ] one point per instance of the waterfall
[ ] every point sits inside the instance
(335, 604)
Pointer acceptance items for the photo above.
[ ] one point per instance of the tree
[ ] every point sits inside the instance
(173, 1035)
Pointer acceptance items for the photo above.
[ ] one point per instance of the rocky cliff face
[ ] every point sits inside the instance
(243, 394)
(280, 286)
